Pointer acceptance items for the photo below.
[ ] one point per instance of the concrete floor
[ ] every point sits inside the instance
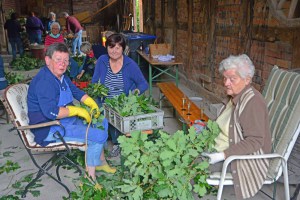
(10, 144)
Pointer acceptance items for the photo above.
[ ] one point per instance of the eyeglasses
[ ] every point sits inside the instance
(60, 61)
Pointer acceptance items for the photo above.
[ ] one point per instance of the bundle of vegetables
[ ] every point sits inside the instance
(131, 105)
(26, 63)
(96, 90)
(13, 77)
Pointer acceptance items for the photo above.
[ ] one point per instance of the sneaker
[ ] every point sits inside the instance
(115, 151)
(106, 168)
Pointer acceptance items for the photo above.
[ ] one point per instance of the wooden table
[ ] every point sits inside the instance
(162, 67)
(174, 95)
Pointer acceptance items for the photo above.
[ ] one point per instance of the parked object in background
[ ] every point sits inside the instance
(159, 49)
(135, 41)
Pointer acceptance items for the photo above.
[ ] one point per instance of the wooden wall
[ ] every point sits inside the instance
(205, 32)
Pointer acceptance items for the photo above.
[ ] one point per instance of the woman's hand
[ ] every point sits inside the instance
(80, 75)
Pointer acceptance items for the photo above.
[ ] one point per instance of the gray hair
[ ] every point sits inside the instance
(56, 47)
(241, 63)
(52, 14)
(65, 14)
(85, 47)
(55, 23)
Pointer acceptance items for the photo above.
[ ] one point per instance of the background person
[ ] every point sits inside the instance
(13, 28)
(74, 26)
(55, 36)
(34, 28)
(52, 18)
(244, 124)
(57, 104)
(88, 65)
(3, 81)
(120, 74)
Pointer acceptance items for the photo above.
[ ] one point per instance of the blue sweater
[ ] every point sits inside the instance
(43, 98)
(132, 75)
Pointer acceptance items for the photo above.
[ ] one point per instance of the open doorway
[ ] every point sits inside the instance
(138, 15)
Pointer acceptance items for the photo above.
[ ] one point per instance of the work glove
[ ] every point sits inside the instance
(93, 105)
(80, 112)
(214, 157)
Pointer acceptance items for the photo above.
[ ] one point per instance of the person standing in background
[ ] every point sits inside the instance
(52, 18)
(73, 25)
(34, 28)
(13, 28)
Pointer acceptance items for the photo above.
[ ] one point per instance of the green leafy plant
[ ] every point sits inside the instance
(157, 169)
(26, 63)
(96, 122)
(130, 105)
(79, 59)
(96, 90)
(9, 166)
(13, 77)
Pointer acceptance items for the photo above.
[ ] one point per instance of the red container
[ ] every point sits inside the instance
(81, 84)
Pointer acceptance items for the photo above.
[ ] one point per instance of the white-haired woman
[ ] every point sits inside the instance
(54, 35)
(244, 124)
(52, 18)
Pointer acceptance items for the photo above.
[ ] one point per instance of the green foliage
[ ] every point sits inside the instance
(86, 77)
(79, 59)
(164, 169)
(13, 77)
(26, 63)
(96, 122)
(9, 166)
(88, 189)
(130, 105)
(96, 90)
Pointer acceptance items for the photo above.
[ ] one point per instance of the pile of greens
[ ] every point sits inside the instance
(13, 77)
(79, 59)
(26, 63)
(131, 105)
(96, 90)
(157, 169)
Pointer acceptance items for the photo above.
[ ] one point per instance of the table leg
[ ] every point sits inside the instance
(176, 79)
(150, 80)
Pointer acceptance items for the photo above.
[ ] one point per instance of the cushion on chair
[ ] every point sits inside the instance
(282, 94)
(16, 100)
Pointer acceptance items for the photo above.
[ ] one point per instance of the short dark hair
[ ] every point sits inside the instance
(60, 47)
(114, 39)
(13, 16)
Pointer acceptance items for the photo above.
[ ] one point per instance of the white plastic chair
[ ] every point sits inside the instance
(282, 94)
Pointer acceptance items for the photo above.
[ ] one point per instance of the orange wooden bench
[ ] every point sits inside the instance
(174, 95)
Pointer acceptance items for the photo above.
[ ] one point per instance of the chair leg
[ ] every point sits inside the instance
(296, 193)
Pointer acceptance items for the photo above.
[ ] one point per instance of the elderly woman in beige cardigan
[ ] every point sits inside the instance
(244, 125)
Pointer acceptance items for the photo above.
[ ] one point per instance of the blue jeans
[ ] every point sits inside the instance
(35, 38)
(16, 42)
(76, 42)
(75, 131)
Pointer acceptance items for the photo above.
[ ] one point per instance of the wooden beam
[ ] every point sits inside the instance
(190, 34)
(174, 26)
(100, 10)
(292, 8)
(280, 4)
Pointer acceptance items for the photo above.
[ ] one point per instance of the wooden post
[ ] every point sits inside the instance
(174, 26)
(190, 35)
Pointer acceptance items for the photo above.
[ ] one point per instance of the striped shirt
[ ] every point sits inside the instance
(114, 82)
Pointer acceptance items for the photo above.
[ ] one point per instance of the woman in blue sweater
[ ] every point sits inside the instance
(120, 74)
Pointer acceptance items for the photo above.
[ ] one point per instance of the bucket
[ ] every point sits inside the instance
(37, 51)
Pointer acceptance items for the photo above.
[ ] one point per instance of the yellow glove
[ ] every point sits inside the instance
(80, 112)
(93, 105)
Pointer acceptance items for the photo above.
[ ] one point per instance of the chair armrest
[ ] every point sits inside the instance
(56, 122)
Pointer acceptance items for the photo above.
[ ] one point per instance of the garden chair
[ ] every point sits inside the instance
(15, 102)
(282, 94)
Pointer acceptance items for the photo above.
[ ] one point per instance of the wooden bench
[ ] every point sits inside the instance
(174, 95)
